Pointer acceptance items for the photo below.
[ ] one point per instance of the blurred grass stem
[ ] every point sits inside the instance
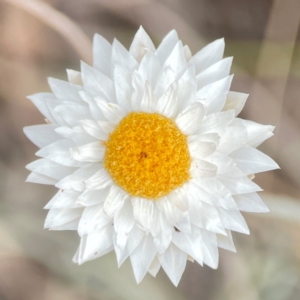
(60, 23)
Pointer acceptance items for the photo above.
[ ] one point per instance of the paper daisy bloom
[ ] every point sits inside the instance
(148, 155)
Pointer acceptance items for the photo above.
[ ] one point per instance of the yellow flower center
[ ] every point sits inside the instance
(147, 155)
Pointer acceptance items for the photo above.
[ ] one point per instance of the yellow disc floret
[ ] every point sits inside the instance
(147, 155)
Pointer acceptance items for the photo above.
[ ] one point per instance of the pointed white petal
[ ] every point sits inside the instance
(76, 134)
(214, 94)
(143, 211)
(202, 169)
(226, 242)
(141, 44)
(65, 91)
(208, 55)
(112, 111)
(251, 160)
(173, 261)
(99, 181)
(42, 135)
(96, 244)
(216, 123)
(149, 68)
(233, 220)
(58, 217)
(164, 80)
(102, 55)
(199, 149)
(250, 202)
(235, 101)
(74, 77)
(210, 249)
(93, 152)
(89, 198)
(142, 257)
(76, 180)
(94, 109)
(50, 169)
(93, 217)
(149, 102)
(214, 73)
(187, 53)
(189, 120)
(63, 199)
(41, 179)
(93, 129)
(168, 104)
(167, 45)
(114, 201)
(154, 267)
(72, 113)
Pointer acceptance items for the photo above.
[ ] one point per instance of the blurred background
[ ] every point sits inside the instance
(38, 39)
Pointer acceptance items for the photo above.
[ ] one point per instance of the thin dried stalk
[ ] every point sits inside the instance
(59, 22)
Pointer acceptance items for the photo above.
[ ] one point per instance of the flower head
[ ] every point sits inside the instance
(148, 155)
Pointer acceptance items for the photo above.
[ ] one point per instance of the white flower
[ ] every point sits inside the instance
(148, 155)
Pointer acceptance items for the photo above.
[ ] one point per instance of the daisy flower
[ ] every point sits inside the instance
(148, 155)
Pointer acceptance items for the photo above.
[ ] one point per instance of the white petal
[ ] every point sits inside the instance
(65, 91)
(149, 102)
(251, 160)
(210, 249)
(235, 101)
(45, 103)
(232, 138)
(163, 236)
(173, 261)
(138, 84)
(97, 81)
(114, 201)
(99, 181)
(112, 111)
(41, 179)
(187, 88)
(216, 123)
(76, 134)
(63, 199)
(58, 217)
(200, 149)
(214, 73)
(168, 104)
(187, 53)
(190, 244)
(233, 220)
(154, 267)
(141, 44)
(176, 60)
(189, 120)
(250, 202)
(202, 169)
(164, 80)
(171, 213)
(94, 109)
(208, 55)
(59, 152)
(42, 135)
(93, 217)
(95, 244)
(149, 68)
(134, 238)
(72, 113)
(214, 95)
(50, 169)
(142, 257)
(123, 224)
(74, 77)
(226, 242)
(76, 180)
(102, 55)
(93, 152)
(178, 198)
(93, 129)
(143, 211)
(167, 45)
(72, 225)
(89, 198)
